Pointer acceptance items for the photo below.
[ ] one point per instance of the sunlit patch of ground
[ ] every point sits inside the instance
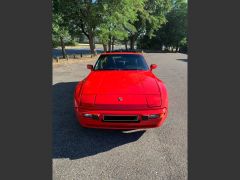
(59, 62)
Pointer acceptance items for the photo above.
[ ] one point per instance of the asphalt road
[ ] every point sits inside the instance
(159, 153)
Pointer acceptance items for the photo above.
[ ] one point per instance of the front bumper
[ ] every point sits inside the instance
(99, 123)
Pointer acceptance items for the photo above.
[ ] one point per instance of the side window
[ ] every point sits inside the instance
(99, 64)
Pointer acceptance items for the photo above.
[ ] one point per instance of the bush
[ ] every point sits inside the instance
(146, 43)
(183, 49)
(70, 43)
(183, 46)
(55, 44)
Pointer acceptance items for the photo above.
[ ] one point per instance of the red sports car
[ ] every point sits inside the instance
(121, 92)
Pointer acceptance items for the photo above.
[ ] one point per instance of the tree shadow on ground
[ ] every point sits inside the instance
(72, 141)
(160, 51)
(184, 60)
(75, 51)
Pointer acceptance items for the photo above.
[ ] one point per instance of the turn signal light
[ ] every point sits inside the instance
(92, 116)
(154, 116)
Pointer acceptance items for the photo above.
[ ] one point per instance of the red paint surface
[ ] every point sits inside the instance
(141, 91)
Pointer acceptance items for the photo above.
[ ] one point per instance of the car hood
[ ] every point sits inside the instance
(120, 83)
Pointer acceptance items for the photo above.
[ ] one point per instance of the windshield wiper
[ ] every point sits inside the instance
(105, 69)
(116, 69)
(133, 69)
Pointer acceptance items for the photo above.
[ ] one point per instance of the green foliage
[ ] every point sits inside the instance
(183, 45)
(177, 23)
(59, 30)
(81, 16)
(151, 16)
(146, 43)
(118, 16)
(174, 32)
(157, 22)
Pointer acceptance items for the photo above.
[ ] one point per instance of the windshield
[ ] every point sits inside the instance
(121, 62)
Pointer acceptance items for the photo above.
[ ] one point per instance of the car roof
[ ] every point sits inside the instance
(122, 52)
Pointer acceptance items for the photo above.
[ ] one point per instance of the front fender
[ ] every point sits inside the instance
(164, 94)
(77, 94)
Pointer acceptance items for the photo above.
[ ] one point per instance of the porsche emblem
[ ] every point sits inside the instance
(120, 99)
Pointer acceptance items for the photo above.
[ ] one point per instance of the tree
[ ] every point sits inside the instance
(59, 31)
(82, 16)
(117, 16)
(150, 18)
(175, 31)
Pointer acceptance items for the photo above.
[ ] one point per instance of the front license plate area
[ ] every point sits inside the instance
(120, 118)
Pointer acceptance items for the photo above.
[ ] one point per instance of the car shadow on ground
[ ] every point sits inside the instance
(184, 60)
(72, 141)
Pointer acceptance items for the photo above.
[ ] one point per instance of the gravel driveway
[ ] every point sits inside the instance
(159, 153)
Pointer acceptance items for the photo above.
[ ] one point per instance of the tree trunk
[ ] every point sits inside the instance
(176, 50)
(113, 41)
(92, 44)
(177, 46)
(161, 48)
(109, 43)
(104, 47)
(63, 48)
(132, 41)
(126, 43)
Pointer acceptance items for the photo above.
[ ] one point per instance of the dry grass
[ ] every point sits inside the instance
(80, 46)
(72, 60)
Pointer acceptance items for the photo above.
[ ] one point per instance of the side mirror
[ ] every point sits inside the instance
(153, 66)
(89, 66)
